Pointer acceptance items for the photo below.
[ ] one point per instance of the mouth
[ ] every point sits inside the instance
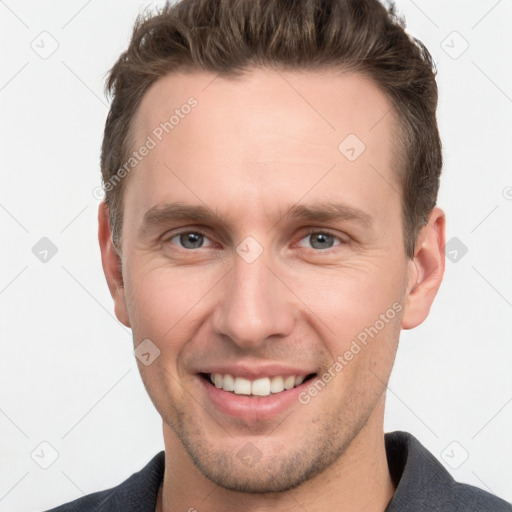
(253, 394)
(262, 387)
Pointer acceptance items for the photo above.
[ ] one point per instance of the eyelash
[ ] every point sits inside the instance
(310, 232)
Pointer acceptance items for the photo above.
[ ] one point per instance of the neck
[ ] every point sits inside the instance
(358, 480)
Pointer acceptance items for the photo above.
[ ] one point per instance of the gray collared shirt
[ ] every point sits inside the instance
(422, 485)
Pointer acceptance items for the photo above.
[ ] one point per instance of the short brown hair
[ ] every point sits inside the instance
(228, 37)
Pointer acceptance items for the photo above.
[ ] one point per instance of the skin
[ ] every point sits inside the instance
(252, 148)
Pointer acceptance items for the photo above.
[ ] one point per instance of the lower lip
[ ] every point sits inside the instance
(252, 409)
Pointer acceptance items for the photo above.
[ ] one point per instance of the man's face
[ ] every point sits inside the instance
(262, 293)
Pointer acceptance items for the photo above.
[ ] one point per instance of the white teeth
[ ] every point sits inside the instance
(277, 384)
(228, 383)
(289, 382)
(263, 386)
(217, 380)
(242, 386)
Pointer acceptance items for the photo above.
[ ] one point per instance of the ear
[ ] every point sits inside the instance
(426, 270)
(111, 262)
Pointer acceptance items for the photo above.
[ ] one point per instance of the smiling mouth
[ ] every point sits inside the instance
(258, 388)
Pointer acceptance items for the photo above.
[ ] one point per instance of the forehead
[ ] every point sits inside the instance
(331, 101)
(267, 137)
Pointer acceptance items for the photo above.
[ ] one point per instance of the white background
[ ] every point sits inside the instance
(68, 375)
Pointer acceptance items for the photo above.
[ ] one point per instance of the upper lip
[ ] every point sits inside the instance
(253, 372)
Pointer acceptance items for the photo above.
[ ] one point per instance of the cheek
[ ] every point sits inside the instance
(163, 306)
(169, 305)
(161, 302)
(350, 299)
(360, 309)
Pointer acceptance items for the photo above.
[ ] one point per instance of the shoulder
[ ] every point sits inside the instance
(96, 501)
(423, 484)
(468, 498)
(137, 493)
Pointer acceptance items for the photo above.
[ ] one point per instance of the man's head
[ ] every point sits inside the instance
(282, 225)
(227, 38)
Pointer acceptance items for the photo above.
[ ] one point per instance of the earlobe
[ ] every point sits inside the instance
(426, 271)
(111, 262)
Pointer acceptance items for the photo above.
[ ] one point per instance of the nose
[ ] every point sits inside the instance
(255, 304)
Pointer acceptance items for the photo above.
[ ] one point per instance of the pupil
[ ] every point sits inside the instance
(191, 240)
(322, 238)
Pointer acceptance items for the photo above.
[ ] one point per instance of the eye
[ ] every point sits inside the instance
(188, 239)
(318, 240)
(322, 240)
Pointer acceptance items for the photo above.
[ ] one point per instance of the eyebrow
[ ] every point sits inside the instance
(317, 212)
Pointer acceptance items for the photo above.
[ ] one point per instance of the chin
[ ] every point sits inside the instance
(272, 468)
